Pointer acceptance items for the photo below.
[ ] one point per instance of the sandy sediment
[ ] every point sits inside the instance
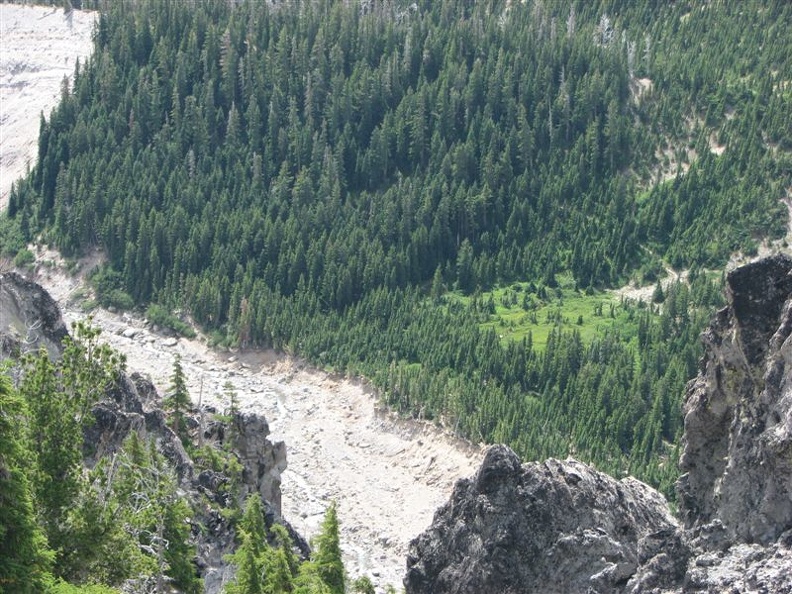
(38, 47)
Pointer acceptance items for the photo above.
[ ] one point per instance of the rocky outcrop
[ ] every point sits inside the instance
(29, 318)
(133, 405)
(262, 461)
(564, 527)
(122, 411)
(737, 445)
(556, 526)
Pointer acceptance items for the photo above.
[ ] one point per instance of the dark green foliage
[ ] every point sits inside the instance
(302, 177)
(122, 520)
(88, 368)
(25, 559)
(56, 437)
(24, 258)
(363, 585)
(160, 316)
(249, 569)
(253, 524)
(327, 554)
(658, 296)
(62, 587)
(134, 524)
(59, 397)
(109, 289)
(180, 552)
(99, 548)
(177, 401)
(262, 569)
(309, 582)
(12, 240)
(283, 563)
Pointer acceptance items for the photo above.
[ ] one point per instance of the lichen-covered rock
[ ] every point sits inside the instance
(262, 460)
(741, 568)
(29, 318)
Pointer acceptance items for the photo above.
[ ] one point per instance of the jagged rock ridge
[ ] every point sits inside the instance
(737, 455)
(560, 524)
(134, 406)
(564, 527)
(30, 319)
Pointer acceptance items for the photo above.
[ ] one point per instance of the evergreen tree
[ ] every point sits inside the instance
(437, 289)
(363, 585)
(261, 568)
(56, 436)
(308, 581)
(249, 576)
(177, 401)
(658, 296)
(253, 524)
(327, 556)
(25, 559)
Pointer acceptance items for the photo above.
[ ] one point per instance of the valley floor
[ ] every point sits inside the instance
(388, 475)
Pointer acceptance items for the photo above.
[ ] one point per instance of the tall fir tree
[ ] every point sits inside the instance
(177, 401)
(25, 559)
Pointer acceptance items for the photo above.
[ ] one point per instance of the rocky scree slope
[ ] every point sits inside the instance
(30, 319)
(561, 526)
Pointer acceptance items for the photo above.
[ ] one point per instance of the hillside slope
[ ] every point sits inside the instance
(39, 48)
(317, 178)
(561, 526)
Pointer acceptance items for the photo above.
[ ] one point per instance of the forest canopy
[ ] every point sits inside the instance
(355, 182)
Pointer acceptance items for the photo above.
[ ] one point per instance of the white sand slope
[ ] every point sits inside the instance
(38, 47)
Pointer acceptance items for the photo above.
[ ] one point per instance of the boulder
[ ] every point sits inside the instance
(555, 526)
(29, 318)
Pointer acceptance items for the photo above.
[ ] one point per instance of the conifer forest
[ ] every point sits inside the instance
(440, 196)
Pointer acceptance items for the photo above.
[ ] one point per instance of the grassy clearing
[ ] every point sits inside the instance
(524, 309)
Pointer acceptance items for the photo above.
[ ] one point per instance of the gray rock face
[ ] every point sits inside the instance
(737, 455)
(556, 526)
(742, 568)
(29, 317)
(564, 527)
(262, 460)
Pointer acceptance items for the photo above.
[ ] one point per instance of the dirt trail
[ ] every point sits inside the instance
(38, 47)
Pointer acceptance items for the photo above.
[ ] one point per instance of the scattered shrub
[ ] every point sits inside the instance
(24, 257)
(160, 316)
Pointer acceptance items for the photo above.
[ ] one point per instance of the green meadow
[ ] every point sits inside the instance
(527, 311)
